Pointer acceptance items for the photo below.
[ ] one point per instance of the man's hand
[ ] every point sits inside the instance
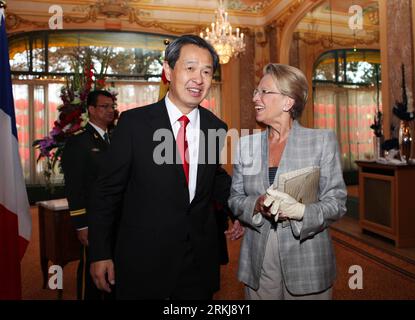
(100, 271)
(83, 236)
(236, 231)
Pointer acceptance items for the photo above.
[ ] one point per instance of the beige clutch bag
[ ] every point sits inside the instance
(301, 184)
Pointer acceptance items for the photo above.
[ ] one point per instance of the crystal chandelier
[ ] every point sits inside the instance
(221, 37)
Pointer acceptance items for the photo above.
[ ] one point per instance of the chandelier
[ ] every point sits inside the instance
(226, 43)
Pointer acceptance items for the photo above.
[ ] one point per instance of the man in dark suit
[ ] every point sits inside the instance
(81, 161)
(167, 241)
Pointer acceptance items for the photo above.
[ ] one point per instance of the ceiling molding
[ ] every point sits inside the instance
(282, 17)
(14, 21)
(326, 41)
(152, 14)
(237, 7)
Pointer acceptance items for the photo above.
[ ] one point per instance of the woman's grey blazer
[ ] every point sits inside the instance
(306, 252)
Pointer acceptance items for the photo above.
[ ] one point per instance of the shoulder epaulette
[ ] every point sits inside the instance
(78, 132)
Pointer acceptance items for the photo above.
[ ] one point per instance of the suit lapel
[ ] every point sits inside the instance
(264, 158)
(284, 162)
(159, 119)
(292, 143)
(97, 137)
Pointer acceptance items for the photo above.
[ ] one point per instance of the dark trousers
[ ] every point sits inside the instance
(189, 285)
(86, 289)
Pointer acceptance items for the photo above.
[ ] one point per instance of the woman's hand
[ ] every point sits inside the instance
(286, 206)
(261, 207)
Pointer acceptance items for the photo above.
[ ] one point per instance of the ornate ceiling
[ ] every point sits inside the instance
(188, 15)
(237, 6)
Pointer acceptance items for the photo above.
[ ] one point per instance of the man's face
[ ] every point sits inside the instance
(103, 113)
(191, 78)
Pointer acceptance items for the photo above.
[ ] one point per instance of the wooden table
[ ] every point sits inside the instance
(57, 237)
(387, 201)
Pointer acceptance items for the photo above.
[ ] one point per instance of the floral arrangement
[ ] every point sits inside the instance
(73, 115)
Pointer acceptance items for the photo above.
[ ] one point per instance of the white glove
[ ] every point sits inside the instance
(269, 200)
(269, 197)
(284, 203)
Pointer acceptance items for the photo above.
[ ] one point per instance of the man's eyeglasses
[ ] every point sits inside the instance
(107, 106)
(263, 92)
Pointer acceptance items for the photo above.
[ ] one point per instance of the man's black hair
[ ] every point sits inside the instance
(93, 97)
(172, 53)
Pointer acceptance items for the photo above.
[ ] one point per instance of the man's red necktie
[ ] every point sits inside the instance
(183, 146)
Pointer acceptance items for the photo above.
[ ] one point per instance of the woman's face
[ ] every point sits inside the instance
(269, 102)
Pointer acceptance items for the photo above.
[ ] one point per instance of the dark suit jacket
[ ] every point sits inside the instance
(81, 161)
(156, 216)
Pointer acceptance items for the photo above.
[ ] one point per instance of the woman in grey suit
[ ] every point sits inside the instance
(291, 258)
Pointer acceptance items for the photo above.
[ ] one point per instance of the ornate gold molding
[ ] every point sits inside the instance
(281, 19)
(327, 42)
(253, 6)
(103, 10)
(113, 8)
(13, 21)
(91, 15)
(134, 18)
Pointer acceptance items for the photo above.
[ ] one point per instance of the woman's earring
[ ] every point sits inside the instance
(285, 109)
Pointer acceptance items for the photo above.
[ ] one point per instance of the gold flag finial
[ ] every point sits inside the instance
(3, 4)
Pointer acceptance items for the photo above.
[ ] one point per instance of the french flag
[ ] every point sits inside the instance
(15, 219)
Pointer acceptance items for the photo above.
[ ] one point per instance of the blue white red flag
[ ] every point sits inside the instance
(15, 219)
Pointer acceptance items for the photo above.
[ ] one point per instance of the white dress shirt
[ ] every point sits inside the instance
(100, 131)
(192, 135)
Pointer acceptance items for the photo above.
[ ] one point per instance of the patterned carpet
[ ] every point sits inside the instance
(385, 276)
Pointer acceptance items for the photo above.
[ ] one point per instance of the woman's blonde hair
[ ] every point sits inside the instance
(291, 82)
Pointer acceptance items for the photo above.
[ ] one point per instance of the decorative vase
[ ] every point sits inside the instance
(405, 140)
(377, 147)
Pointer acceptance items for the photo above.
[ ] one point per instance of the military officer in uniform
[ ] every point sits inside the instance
(82, 157)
